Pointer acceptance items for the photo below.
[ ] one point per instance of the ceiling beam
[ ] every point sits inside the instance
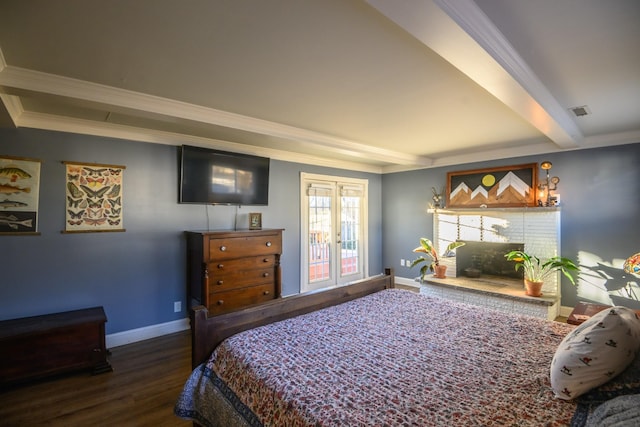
(464, 36)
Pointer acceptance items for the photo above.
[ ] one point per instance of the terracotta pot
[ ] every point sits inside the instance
(533, 289)
(440, 272)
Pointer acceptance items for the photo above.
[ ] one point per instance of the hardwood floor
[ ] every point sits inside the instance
(141, 391)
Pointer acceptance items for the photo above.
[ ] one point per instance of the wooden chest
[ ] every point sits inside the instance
(38, 346)
(230, 270)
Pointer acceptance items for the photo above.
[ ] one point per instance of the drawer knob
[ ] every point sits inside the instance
(266, 292)
(265, 260)
(268, 244)
(265, 274)
(221, 266)
(223, 248)
(220, 282)
(220, 302)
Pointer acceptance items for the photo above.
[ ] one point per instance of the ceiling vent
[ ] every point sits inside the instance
(580, 111)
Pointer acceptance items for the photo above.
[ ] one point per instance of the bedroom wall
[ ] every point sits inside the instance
(600, 200)
(138, 274)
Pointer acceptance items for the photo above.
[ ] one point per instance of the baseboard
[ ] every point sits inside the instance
(145, 333)
(565, 311)
(407, 281)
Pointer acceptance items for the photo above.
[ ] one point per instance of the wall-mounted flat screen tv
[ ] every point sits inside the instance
(218, 177)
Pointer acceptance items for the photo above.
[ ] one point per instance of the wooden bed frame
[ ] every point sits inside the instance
(208, 332)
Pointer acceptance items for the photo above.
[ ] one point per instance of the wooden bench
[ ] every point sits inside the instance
(39, 346)
(584, 310)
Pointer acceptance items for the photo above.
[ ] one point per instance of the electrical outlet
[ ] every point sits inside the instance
(402, 262)
(177, 306)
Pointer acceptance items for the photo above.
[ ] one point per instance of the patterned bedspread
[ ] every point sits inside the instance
(391, 358)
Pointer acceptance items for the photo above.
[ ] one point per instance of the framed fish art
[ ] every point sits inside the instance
(19, 195)
(93, 199)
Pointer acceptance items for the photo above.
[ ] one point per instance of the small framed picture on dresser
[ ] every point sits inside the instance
(255, 221)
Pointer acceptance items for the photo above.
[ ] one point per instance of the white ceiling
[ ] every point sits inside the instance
(377, 85)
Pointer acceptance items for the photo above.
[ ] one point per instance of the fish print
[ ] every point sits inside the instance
(11, 204)
(14, 173)
(12, 222)
(12, 189)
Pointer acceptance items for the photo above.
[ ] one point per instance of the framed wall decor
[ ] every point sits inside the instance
(508, 186)
(93, 200)
(255, 221)
(19, 195)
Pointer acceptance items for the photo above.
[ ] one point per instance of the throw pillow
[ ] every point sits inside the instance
(595, 352)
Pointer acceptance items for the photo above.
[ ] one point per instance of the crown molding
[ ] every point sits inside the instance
(30, 80)
(110, 130)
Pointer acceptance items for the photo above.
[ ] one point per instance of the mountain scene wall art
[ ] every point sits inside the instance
(510, 186)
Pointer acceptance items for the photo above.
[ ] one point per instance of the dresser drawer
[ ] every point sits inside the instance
(223, 302)
(239, 279)
(235, 247)
(234, 265)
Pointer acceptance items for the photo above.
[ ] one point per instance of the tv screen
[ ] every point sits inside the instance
(218, 177)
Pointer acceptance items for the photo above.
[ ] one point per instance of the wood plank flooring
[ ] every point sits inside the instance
(141, 391)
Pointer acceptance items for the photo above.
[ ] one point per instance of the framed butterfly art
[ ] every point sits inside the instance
(93, 197)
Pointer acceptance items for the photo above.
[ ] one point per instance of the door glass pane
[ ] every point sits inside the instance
(319, 238)
(350, 235)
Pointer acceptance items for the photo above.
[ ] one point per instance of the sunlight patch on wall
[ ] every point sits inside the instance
(605, 282)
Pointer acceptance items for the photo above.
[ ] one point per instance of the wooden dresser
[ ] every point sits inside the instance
(230, 270)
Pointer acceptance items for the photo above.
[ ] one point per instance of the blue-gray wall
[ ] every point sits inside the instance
(136, 275)
(600, 199)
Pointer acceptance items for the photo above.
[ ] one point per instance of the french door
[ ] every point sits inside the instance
(334, 224)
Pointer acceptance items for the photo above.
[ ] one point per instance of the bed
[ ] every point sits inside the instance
(369, 354)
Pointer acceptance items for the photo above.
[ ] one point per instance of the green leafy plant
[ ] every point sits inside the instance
(430, 257)
(537, 271)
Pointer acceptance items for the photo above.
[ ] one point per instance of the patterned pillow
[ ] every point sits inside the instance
(595, 352)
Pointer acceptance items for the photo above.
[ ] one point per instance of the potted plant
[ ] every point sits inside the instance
(536, 271)
(430, 258)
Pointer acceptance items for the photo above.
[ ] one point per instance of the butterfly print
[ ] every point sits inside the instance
(73, 177)
(71, 222)
(73, 203)
(114, 222)
(95, 221)
(115, 172)
(115, 190)
(95, 172)
(74, 190)
(94, 194)
(76, 215)
(95, 204)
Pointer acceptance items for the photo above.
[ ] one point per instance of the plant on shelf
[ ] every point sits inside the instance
(536, 271)
(430, 258)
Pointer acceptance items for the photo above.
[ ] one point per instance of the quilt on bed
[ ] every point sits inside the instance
(391, 358)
